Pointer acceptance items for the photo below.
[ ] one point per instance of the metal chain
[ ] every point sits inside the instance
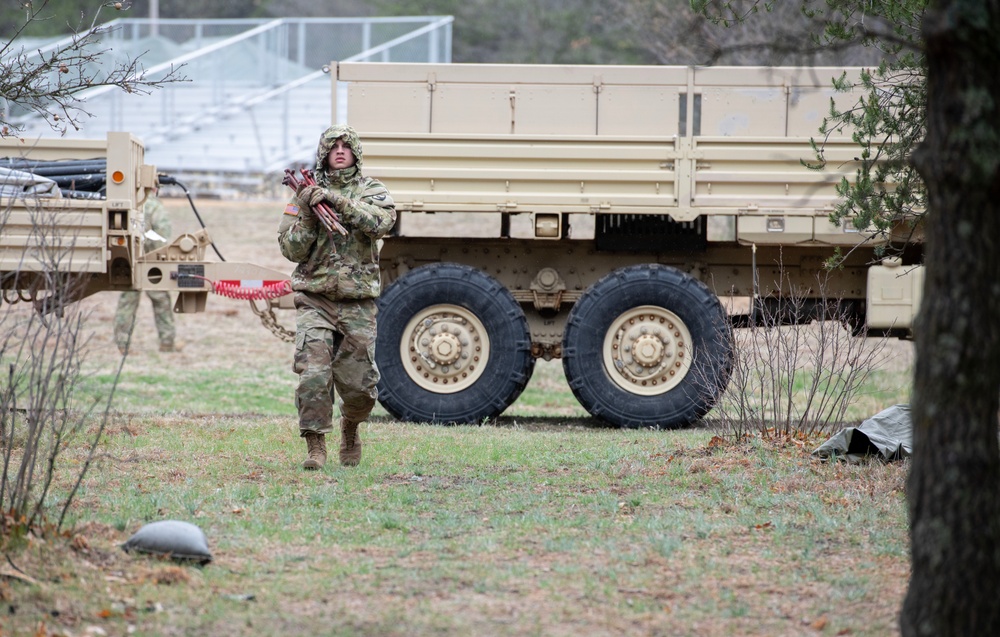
(270, 321)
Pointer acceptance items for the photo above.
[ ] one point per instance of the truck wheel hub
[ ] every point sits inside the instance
(444, 348)
(647, 350)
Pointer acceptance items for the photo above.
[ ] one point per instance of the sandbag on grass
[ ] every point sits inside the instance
(171, 538)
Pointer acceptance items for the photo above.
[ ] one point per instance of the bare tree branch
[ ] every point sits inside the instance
(53, 82)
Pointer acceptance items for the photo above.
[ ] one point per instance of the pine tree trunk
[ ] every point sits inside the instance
(954, 484)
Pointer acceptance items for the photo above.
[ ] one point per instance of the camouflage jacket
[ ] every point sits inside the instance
(339, 267)
(155, 219)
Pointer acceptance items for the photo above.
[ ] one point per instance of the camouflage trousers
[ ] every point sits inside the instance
(334, 353)
(163, 315)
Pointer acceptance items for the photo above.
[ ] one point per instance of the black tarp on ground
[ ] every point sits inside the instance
(888, 434)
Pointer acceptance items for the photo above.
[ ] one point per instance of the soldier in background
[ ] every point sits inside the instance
(336, 283)
(156, 226)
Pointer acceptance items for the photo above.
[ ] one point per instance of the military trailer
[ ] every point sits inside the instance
(71, 225)
(597, 214)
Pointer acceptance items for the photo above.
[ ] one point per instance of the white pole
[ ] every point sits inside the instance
(154, 17)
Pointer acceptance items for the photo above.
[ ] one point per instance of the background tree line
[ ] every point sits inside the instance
(513, 31)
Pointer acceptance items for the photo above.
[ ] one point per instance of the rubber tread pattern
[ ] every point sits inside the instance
(648, 284)
(507, 371)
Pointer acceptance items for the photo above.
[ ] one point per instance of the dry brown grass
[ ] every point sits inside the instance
(474, 530)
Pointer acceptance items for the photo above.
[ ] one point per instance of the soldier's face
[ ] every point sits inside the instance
(340, 156)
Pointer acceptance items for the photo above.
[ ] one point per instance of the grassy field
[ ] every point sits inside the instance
(542, 523)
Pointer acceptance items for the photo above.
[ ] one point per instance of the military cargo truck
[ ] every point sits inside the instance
(585, 213)
(597, 214)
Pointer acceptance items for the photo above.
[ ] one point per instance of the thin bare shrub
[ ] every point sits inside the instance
(43, 344)
(797, 365)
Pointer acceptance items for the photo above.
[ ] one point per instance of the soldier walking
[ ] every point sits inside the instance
(156, 226)
(336, 283)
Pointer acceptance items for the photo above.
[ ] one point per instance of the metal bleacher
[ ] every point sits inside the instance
(255, 95)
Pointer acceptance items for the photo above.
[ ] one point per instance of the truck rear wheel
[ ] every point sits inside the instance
(648, 346)
(453, 346)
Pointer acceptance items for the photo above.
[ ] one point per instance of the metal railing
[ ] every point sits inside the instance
(232, 68)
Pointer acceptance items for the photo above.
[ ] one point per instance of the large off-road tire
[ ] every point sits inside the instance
(453, 346)
(648, 346)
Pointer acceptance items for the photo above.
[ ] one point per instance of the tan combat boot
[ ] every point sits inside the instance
(350, 443)
(316, 444)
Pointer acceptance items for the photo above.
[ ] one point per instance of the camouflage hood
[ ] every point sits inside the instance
(326, 177)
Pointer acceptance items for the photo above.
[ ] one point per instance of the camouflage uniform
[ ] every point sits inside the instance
(335, 283)
(155, 219)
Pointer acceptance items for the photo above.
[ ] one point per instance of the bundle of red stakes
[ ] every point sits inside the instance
(327, 216)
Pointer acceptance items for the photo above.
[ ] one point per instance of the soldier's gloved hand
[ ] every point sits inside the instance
(319, 196)
(313, 195)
